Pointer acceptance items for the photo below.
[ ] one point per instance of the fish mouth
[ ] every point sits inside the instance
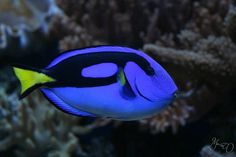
(172, 96)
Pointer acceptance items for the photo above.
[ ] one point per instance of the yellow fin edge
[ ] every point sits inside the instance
(122, 77)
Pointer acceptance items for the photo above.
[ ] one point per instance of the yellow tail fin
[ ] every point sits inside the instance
(29, 78)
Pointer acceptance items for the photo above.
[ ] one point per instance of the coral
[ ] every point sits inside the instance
(138, 22)
(173, 116)
(23, 23)
(36, 128)
(209, 64)
(205, 61)
(70, 35)
(26, 14)
(202, 53)
(208, 17)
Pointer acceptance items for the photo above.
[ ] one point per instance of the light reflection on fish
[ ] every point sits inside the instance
(103, 81)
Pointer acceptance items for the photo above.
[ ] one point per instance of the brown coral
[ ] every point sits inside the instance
(173, 116)
(36, 127)
(70, 35)
(199, 62)
(24, 27)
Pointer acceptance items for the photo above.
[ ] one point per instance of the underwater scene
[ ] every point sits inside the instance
(117, 78)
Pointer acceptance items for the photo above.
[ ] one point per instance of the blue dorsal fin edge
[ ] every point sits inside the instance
(101, 48)
(60, 104)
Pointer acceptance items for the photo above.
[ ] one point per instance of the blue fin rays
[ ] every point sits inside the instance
(62, 105)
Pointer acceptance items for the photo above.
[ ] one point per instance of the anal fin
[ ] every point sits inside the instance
(60, 104)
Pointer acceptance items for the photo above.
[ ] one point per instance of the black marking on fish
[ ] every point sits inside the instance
(68, 71)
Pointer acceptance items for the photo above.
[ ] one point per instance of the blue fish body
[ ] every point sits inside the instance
(107, 81)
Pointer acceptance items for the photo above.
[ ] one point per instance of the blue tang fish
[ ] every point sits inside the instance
(103, 81)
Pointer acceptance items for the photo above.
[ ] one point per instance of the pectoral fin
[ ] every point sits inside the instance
(125, 88)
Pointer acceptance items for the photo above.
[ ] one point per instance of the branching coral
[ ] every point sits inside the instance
(23, 23)
(202, 54)
(36, 128)
(71, 35)
(26, 14)
(201, 61)
(173, 116)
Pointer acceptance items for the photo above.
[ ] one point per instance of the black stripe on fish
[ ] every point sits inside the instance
(68, 71)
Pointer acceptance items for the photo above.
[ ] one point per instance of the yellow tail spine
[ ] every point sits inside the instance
(29, 78)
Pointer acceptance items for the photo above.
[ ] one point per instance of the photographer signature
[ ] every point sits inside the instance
(228, 147)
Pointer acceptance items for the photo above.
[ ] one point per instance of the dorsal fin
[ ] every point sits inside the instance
(102, 48)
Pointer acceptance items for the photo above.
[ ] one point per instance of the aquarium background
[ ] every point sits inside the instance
(194, 40)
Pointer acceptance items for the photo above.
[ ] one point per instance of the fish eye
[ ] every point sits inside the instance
(150, 71)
